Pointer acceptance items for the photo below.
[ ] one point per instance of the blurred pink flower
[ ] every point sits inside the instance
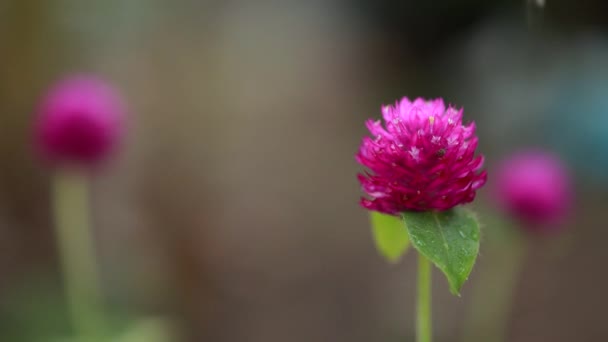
(79, 121)
(422, 158)
(534, 186)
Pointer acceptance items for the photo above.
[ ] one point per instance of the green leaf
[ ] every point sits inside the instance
(450, 239)
(390, 235)
(148, 330)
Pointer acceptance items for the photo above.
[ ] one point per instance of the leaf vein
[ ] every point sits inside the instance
(445, 242)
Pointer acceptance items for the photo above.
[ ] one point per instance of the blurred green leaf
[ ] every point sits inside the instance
(33, 309)
(148, 330)
(450, 239)
(141, 330)
(390, 235)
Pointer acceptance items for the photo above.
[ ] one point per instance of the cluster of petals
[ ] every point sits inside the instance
(80, 121)
(420, 158)
(535, 187)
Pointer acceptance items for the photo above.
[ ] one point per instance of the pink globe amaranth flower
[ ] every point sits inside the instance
(422, 158)
(534, 186)
(80, 121)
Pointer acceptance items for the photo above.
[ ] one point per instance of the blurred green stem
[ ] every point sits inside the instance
(423, 307)
(76, 248)
(492, 299)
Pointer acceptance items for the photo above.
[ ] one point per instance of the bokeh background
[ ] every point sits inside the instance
(232, 210)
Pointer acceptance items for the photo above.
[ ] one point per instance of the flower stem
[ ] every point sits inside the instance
(423, 309)
(81, 281)
(495, 288)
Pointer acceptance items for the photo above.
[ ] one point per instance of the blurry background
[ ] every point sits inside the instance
(233, 208)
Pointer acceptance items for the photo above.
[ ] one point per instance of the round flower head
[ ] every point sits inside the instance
(422, 158)
(79, 121)
(534, 186)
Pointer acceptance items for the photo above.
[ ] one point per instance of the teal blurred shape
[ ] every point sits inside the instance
(577, 122)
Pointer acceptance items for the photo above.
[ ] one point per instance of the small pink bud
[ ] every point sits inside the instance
(80, 121)
(534, 186)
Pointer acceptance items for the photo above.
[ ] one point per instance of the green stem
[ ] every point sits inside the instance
(495, 287)
(423, 309)
(81, 281)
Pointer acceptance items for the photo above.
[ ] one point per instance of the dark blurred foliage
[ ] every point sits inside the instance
(423, 27)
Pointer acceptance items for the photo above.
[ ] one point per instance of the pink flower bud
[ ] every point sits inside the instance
(534, 187)
(80, 121)
(421, 158)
